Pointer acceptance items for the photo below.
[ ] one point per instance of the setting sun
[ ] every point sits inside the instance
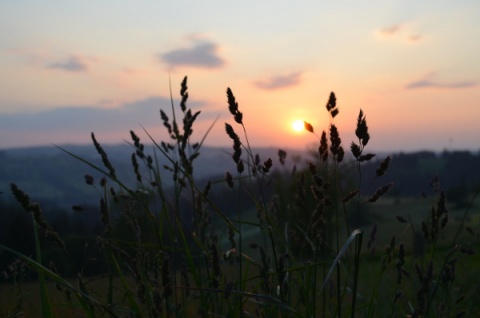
(298, 125)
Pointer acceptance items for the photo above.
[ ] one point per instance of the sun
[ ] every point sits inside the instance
(298, 125)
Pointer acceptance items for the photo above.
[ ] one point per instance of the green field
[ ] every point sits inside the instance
(25, 295)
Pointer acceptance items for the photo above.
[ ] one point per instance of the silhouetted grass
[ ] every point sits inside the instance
(299, 252)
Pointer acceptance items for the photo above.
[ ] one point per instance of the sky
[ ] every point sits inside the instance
(69, 68)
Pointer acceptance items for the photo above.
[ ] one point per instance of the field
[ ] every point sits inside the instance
(263, 241)
(26, 294)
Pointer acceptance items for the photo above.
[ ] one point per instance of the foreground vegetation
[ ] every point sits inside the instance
(301, 242)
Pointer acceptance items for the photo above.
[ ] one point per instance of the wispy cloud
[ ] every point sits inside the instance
(76, 119)
(281, 81)
(71, 64)
(415, 37)
(203, 54)
(32, 56)
(430, 82)
(75, 123)
(47, 58)
(390, 30)
(400, 31)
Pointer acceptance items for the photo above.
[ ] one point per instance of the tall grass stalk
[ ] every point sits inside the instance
(46, 307)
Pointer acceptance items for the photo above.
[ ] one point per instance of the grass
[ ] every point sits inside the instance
(369, 271)
(289, 244)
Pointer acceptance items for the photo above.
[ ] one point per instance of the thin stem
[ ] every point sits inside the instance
(465, 215)
(240, 242)
(269, 228)
(358, 248)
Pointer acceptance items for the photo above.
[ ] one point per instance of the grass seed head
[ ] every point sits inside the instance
(323, 148)
(20, 196)
(383, 167)
(89, 179)
(308, 127)
(267, 165)
(240, 166)
(332, 105)
(184, 94)
(362, 129)
(233, 107)
(335, 140)
(356, 151)
(380, 191)
(103, 154)
(366, 157)
(350, 196)
(282, 155)
(229, 179)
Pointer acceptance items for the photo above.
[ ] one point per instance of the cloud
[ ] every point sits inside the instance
(415, 37)
(202, 54)
(41, 57)
(390, 30)
(280, 81)
(81, 120)
(33, 56)
(67, 125)
(400, 31)
(72, 64)
(87, 118)
(429, 82)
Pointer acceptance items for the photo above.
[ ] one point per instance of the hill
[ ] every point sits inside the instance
(53, 177)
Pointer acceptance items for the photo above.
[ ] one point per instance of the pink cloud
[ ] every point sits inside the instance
(390, 30)
(281, 81)
(400, 31)
(202, 54)
(71, 64)
(430, 82)
(415, 37)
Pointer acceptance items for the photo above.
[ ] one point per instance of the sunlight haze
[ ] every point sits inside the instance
(70, 68)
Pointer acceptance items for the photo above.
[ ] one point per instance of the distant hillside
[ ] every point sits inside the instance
(54, 178)
(456, 171)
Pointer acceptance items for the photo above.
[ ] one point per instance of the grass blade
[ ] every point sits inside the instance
(45, 299)
(342, 251)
